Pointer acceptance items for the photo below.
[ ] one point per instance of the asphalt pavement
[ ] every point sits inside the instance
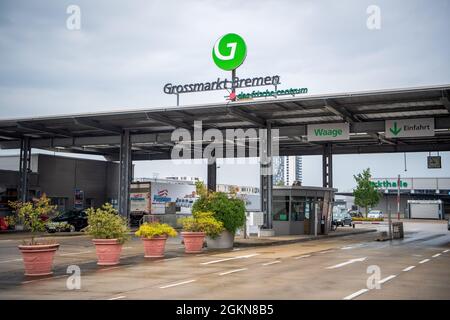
(349, 267)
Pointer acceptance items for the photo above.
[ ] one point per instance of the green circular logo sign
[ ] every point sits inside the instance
(229, 51)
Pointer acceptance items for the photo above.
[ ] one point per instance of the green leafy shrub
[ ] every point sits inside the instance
(155, 229)
(106, 223)
(33, 214)
(366, 219)
(202, 222)
(59, 226)
(228, 209)
(10, 221)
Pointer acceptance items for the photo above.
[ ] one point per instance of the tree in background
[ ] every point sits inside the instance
(366, 193)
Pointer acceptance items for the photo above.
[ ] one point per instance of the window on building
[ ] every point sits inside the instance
(280, 208)
(298, 209)
(60, 203)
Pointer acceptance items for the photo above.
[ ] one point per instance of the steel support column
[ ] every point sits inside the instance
(212, 176)
(125, 174)
(327, 166)
(24, 168)
(266, 176)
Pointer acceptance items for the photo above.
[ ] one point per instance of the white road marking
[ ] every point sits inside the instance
(232, 271)
(347, 262)
(355, 294)
(270, 263)
(409, 268)
(75, 253)
(436, 255)
(6, 240)
(346, 248)
(387, 279)
(177, 284)
(424, 260)
(301, 257)
(117, 298)
(228, 259)
(326, 251)
(445, 251)
(13, 260)
(42, 279)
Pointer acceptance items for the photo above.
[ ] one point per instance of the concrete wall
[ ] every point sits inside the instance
(10, 179)
(112, 180)
(389, 203)
(60, 176)
(12, 162)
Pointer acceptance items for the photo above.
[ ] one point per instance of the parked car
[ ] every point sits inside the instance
(355, 213)
(448, 224)
(376, 214)
(75, 219)
(342, 218)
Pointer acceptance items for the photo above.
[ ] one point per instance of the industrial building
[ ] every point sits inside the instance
(412, 191)
(69, 182)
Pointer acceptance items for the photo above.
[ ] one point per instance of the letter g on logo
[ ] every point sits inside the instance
(229, 51)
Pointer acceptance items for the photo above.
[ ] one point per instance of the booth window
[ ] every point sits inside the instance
(298, 209)
(280, 208)
(309, 207)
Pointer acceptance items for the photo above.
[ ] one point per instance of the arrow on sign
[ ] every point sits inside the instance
(347, 262)
(395, 130)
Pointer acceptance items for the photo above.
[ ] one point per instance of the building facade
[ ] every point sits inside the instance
(287, 170)
(69, 182)
(411, 189)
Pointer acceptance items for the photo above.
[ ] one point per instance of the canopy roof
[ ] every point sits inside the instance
(99, 133)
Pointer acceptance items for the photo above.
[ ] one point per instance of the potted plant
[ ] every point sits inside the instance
(227, 208)
(109, 231)
(195, 229)
(154, 236)
(37, 255)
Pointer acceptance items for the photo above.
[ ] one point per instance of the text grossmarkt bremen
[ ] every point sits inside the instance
(222, 84)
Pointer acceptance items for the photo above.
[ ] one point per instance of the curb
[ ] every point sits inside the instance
(312, 238)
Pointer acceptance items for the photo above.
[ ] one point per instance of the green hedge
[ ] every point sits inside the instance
(367, 219)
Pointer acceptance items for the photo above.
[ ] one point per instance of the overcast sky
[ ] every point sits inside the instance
(126, 51)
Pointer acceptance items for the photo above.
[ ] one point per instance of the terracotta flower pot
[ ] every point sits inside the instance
(154, 247)
(193, 241)
(108, 251)
(38, 259)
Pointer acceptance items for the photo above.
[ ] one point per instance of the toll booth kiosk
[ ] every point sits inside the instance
(298, 210)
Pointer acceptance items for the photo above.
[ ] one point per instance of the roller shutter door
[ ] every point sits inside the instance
(424, 211)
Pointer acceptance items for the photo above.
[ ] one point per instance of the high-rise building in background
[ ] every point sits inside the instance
(287, 170)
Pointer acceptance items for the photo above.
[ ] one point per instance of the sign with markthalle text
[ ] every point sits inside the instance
(391, 183)
(328, 132)
(406, 128)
